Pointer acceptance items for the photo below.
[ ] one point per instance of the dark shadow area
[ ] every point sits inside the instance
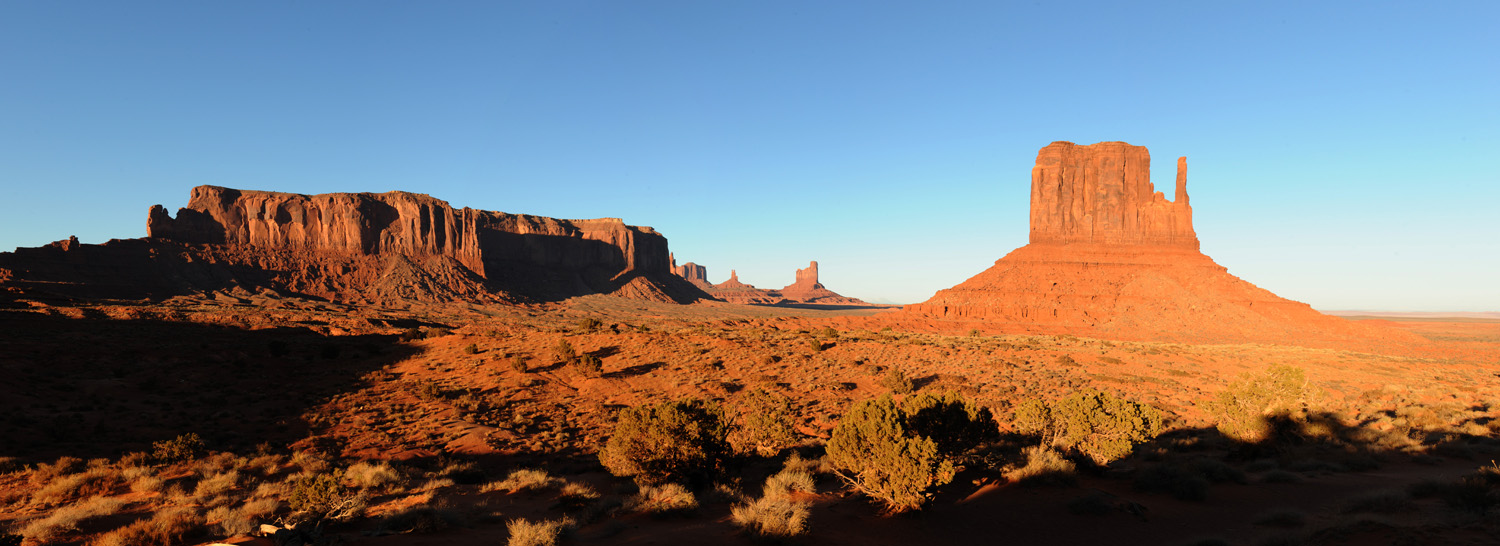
(95, 387)
(920, 383)
(604, 352)
(554, 366)
(638, 369)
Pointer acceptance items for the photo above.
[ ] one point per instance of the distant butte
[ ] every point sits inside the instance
(805, 289)
(1108, 255)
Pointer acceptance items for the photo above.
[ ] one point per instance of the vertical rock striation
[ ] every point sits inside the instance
(1102, 193)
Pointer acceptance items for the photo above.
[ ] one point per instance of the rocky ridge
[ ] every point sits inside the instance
(804, 290)
(357, 247)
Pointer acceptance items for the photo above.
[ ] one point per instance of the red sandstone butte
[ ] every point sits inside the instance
(1111, 256)
(694, 273)
(734, 291)
(371, 247)
(805, 289)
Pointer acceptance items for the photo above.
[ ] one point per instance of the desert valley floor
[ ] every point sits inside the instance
(428, 410)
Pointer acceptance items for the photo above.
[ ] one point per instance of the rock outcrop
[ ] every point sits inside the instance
(805, 289)
(1102, 193)
(375, 247)
(734, 291)
(1111, 257)
(694, 273)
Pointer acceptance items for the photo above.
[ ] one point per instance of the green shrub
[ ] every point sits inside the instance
(764, 423)
(671, 441)
(589, 365)
(518, 364)
(1242, 408)
(324, 496)
(471, 349)
(588, 325)
(897, 382)
(954, 422)
(874, 449)
(185, 447)
(1095, 423)
(426, 389)
(565, 351)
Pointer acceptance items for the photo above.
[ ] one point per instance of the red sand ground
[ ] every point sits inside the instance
(315, 375)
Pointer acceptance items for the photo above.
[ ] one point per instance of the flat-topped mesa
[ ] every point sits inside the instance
(536, 256)
(694, 273)
(407, 223)
(1102, 193)
(364, 223)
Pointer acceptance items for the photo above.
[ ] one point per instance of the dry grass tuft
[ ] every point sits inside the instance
(663, 499)
(216, 484)
(1043, 466)
(233, 522)
(67, 518)
(97, 481)
(523, 480)
(46, 473)
(378, 476)
(576, 495)
(772, 516)
(166, 528)
(540, 533)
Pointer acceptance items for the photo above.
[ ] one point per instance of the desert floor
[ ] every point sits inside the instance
(279, 387)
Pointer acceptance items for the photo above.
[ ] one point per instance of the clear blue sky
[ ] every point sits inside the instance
(1340, 154)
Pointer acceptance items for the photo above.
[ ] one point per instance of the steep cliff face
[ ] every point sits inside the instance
(694, 273)
(1109, 256)
(1102, 193)
(368, 247)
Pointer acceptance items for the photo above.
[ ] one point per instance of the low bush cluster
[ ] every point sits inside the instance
(1241, 409)
(1097, 424)
(763, 423)
(683, 440)
(898, 453)
(185, 447)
